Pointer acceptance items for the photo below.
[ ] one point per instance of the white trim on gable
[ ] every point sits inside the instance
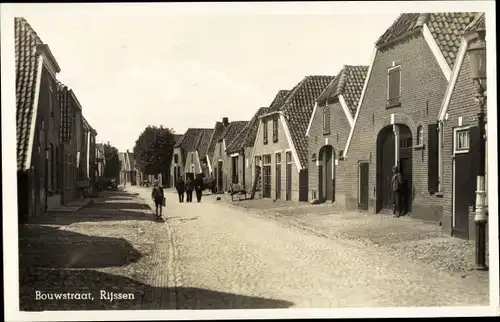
(290, 142)
(311, 119)
(363, 92)
(429, 38)
(346, 110)
(199, 161)
(454, 77)
(255, 145)
(209, 163)
(232, 155)
(34, 115)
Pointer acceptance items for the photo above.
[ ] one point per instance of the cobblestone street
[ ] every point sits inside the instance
(215, 255)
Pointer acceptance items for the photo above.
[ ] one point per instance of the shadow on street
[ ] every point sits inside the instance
(144, 296)
(44, 246)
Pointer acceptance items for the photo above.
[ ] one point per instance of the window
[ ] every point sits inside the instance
(462, 140)
(49, 158)
(314, 156)
(420, 135)
(264, 130)
(266, 159)
(394, 86)
(289, 157)
(278, 158)
(266, 176)
(275, 128)
(405, 142)
(176, 158)
(51, 100)
(326, 119)
(192, 157)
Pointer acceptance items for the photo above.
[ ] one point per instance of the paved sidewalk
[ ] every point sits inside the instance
(403, 237)
(72, 206)
(113, 244)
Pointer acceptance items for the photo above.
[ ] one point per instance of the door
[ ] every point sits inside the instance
(465, 170)
(235, 169)
(320, 182)
(266, 174)
(329, 174)
(363, 186)
(405, 164)
(278, 176)
(289, 175)
(220, 176)
(387, 162)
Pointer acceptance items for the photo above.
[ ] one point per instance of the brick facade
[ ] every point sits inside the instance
(422, 89)
(337, 138)
(220, 156)
(281, 146)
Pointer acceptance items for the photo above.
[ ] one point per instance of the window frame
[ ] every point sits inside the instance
(393, 101)
(275, 128)
(265, 130)
(326, 119)
(456, 132)
(420, 136)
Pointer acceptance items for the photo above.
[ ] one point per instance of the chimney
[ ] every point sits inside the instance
(127, 151)
(225, 121)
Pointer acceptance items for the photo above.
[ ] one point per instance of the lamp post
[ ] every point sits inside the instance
(477, 59)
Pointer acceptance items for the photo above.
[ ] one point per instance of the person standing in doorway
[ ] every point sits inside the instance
(198, 187)
(158, 198)
(180, 185)
(397, 192)
(189, 190)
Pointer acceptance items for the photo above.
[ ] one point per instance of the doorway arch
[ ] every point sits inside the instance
(326, 174)
(394, 147)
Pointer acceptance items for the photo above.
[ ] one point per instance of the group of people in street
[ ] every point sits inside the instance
(188, 187)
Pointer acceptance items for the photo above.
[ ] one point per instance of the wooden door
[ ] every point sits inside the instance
(278, 181)
(405, 165)
(288, 176)
(363, 185)
(267, 181)
(320, 182)
(329, 174)
(220, 177)
(386, 157)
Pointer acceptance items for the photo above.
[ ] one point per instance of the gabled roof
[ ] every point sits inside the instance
(26, 57)
(298, 108)
(203, 142)
(219, 130)
(189, 139)
(279, 99)
(246, 137)
(127, 161)
(348, 83)
(177, 138)
(232, 131)
(446, 28)
(478, 23)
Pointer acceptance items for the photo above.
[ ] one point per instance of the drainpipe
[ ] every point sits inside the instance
(395, 129)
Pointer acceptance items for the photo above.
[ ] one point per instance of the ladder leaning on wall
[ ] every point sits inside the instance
(256, 182)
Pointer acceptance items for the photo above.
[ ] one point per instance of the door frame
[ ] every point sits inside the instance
(359, 182)
(288, 178)
(324, 171)
(453, 180)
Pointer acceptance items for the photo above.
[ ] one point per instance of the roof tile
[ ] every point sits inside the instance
(247, 135)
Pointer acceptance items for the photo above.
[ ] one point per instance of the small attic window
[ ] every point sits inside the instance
(314, 156)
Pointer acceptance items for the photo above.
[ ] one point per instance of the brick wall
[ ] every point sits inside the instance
(422, 89)
(462, 104)
(339, 132)
(272, 148)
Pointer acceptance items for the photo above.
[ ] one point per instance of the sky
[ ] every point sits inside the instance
(190, 70)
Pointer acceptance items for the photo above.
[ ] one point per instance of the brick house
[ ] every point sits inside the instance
(71, 136)
(186, 143)
(196, 161)
(128, 175)
(174, 174)
(38, 121)
(284, 143)
(406, 82)
(226, 172)
(459, 154)
(328, 129)
(242, 146)
(219, 129)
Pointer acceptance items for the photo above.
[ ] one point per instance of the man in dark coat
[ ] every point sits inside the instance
(198, 187)
(189, 190)
(180, 185)
(397, 190)
(158, 197)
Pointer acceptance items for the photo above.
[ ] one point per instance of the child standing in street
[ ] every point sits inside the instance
(158, 198)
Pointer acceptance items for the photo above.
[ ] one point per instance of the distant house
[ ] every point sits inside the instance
(460, 149)
(100, 161)
(282, 141)
(242, 146)
(128, 176)
(225, 169)
(71, 136)
(219, 129)
(38, 120)
(329, 127)
(396, 120)
(196, 161)
(187, 143)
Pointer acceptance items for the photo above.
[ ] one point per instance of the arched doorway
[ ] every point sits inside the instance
(326, 174)
(387, 158)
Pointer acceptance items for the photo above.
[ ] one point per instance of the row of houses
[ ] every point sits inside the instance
(57, 156)
(335, 138)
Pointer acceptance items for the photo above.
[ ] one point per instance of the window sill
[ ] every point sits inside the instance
(326, 133)
(275, 141)
(419, 147)
(393, 105)
(439, 194)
